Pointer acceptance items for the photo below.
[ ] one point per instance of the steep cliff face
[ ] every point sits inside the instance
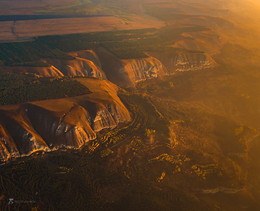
(87, 54)
(193, 62)
(52, 124)
(77, 67)
(128, 72)
(123, 72)
(185, 61)
(17, 136)
(87, 65)
(142, 69)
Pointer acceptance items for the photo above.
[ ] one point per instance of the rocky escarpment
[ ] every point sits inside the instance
(53, 124)
(84, 64)
(123, 72)
(193, 62)
(142, 69)
(128, 72)
(89, 55)
(185, 61)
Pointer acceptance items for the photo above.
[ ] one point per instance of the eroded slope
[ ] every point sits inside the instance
(69, 122)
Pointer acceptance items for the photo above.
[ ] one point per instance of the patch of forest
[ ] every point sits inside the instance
(19, 88)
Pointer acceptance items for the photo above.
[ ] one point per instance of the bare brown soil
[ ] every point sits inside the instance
(34, 28)
(29, 7)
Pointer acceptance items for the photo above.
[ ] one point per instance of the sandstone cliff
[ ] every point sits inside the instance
(67, 123)
(184, 61)
(142, 69)
(77, 67)
(85, 63)
(123, 72)
(127, 72)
